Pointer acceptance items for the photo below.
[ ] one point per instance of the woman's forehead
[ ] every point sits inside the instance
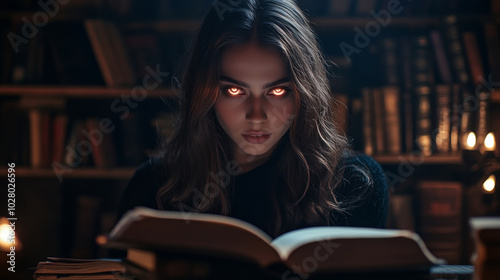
(252, 61)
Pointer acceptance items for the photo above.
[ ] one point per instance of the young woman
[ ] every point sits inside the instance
(256, 138)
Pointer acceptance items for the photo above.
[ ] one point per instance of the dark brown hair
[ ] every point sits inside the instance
(313, 146)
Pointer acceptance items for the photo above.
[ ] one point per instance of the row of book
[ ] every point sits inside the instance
(42, 134)
(92, 52)
(399, 8)
(434, 89)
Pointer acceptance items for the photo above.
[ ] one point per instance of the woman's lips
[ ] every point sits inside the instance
(256, 137)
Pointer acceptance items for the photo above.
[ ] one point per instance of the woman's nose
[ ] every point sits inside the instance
(256, 110)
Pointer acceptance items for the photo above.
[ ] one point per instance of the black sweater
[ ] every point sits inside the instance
(363, 192)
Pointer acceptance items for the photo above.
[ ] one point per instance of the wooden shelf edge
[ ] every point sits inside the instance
(419, 160)
(77, 91)
(119, 173)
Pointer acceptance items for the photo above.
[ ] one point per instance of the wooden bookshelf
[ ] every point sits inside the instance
(76, 91)
(119, 173)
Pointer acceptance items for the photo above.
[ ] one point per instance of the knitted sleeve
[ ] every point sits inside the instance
(362, 194)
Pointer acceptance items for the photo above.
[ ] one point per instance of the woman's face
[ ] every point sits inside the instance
(255, 104)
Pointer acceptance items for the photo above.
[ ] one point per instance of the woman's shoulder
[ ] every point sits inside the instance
(361, 168)
(362, 192)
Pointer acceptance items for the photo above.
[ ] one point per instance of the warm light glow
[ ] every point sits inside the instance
(471, 140)
(489, 184)
(4, 235)
(489, 142)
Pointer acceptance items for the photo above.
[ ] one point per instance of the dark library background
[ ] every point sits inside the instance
(414, 80)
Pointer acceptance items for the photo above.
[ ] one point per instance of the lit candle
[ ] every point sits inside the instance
(489, 142)
(489, 184)
(470, 143)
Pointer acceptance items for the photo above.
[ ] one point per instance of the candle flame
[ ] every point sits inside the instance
(471, 140)
(489, 184)
(489, 142)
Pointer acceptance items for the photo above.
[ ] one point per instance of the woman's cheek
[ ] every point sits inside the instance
(282, 112)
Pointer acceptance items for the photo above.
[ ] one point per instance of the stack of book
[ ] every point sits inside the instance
(91, 269)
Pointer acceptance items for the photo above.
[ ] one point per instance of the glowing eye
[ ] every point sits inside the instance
(278, 91)
(233, 91)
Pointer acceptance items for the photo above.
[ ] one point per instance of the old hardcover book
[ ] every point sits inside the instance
(213, 235)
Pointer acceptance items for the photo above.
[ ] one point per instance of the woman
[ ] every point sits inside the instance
(256, 138)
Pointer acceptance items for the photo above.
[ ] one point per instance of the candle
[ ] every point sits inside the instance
(489, 184)
(489, 142)
(470, 142)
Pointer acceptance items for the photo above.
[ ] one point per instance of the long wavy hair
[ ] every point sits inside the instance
(312, 148)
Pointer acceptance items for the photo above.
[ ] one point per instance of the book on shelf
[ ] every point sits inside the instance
(368, 127)
(103, 147)
(215, 235)
(406, 80)
(111, 53)
(440, 217)
(443, 95)
(378, 120)
(392, 123)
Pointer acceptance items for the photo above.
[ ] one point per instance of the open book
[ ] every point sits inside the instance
(332, 249)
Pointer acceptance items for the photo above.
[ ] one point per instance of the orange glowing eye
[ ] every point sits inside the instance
(278, 91)
(233, 91)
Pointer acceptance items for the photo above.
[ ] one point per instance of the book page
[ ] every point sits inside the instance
(350, 248)
(152, 230)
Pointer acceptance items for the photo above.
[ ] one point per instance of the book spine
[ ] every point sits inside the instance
(390, 61)
(378, 118)
(423, 80)
(407, 90)
(482, 117)
(443, 93)
(459, 65)
(101, 51)
(368, 126)
(46, 139)
(473, 57)
(35, 120)
(392, 127)
(60, 124)
(441, 59)
(455, 118)
(424, 121)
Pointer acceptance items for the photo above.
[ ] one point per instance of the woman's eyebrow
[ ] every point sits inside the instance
(243, 84)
